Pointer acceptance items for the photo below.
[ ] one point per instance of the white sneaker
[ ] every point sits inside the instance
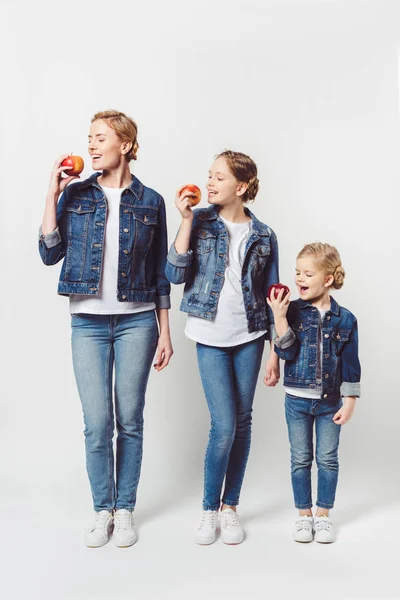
(205, 531)
(125, 533)
(97, 535)
(231, 529)
(303, 529)
(323, 530)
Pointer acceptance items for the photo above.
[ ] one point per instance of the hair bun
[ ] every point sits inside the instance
(252, 188)
(338, 277)
(133, 151)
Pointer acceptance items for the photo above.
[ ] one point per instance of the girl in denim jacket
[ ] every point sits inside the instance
(227, 259)
(111, 232)
(318, 339)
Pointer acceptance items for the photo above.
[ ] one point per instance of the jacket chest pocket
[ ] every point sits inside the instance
(339, 338)
(259, 254)
(302, 331)
(204, 242)
(145, 226)
(79, 215)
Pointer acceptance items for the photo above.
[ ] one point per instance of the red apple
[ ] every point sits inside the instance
(76, 162)
(278, 287)
(193, 189)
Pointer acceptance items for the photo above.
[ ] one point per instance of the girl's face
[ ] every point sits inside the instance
(222, 186)
(311, 281)
(105, 147)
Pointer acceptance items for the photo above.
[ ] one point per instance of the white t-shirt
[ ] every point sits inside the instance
(316, 393)
(229, 327)
(106, 302)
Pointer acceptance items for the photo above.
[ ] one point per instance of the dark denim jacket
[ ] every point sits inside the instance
(79, 237)
(340, 368)
(202, 268)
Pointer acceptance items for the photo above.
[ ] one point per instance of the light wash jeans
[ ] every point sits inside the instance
(98, 343)
(301, 415)
(229, 376)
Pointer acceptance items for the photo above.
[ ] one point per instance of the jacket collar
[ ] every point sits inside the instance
(333, 309)
(260, 228)
(136, 187)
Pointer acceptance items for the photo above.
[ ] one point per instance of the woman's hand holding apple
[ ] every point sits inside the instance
(58, 183)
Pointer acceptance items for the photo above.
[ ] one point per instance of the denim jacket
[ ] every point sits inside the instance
(340, 367)
(79, 237)
(202, 268)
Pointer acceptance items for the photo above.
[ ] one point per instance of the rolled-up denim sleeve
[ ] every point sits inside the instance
(178, 265)
(52, 245)
(351, 368)
(286, 345)
(50, 239)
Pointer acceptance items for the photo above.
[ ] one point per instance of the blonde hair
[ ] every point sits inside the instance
(244, 169)
(326, 258)
(124, 127)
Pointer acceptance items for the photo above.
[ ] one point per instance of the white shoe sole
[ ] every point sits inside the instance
(204, 541)
(125, 544)
(302, 541)
(232, 541)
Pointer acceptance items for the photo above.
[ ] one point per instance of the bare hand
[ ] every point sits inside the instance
(58, 183)
(164, 352)
(345, 413)
(279, 305)
(272, 372)
(183, 204)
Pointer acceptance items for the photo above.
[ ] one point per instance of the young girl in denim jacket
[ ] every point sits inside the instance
(227, 259)
(318, 339)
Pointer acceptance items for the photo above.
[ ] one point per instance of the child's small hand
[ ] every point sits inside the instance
(280, 304)
(345, 413)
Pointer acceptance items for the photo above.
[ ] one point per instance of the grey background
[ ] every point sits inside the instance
(310, 90)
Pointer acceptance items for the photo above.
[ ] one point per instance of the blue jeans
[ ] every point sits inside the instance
(301, 414)
(229, 377)
(98, 342)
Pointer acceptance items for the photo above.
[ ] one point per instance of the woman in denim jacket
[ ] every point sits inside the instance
(318, 339)
(111, 232)
(227, 259)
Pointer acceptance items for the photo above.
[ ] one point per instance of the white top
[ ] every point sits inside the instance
(229, 327)
(316, 393)
(106, 302)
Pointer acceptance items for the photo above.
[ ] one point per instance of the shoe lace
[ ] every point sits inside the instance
(323, 524)
(230, 518)
(208, 517)
(101, 520)
(122, 520)
(303, 524)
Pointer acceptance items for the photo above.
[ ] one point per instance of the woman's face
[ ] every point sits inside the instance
(105, 147)
(222, 186)
(311, 281)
